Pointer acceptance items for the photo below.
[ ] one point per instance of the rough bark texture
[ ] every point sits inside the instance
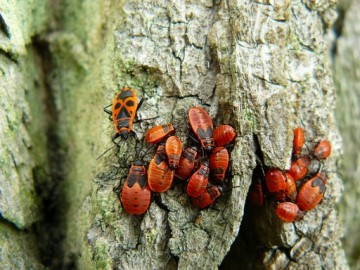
(261, 66)
(22, 133)
(347, 75)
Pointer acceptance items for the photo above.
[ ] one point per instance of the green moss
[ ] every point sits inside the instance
(16, 250)
(102, 256)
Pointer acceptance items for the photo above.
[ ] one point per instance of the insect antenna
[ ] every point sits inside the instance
(107, 150)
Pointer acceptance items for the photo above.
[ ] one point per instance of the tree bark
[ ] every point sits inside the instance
(22, 134)
(346, 76)
(261, 66)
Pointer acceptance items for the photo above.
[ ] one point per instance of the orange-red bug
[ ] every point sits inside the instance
(157, 133)
(288, 212)
(312, 192)
(186, 163)
(299, 139)
(299, 168)
(323, 149)
(219, 161)
(275, 183)
(123, 112)
(290, 187)
(198, 181)
(173, 148)
(160, 177)
(256, 194)
(136, 194)
(207, 198)
(202, 125)
(224, 135)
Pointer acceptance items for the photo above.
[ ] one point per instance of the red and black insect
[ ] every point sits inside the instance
(312, 192)
(299, 168)
(288, 212)
(219, 161)
(299, 140)
(256, 194)
(136, 194)
(275, 183)
(224, 135)
(186, 163)
(290, 187)
(173, 148)
(202, 125)
(323, 149)
(198, 181)
(123, 112)
(157, 133)
(207, 198)
(160, 177)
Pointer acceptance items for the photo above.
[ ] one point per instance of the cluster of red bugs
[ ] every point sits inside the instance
(299, 189)
(202, 167)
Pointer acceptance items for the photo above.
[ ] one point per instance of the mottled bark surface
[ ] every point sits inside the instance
(261, 66)
(22, 133)
(347, 74)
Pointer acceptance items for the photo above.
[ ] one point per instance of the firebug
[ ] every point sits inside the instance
(207, 198)
(136, 194)
(312, 192)
(198, 181)
(299, 139)
(275, 183)
(224, 135)
(186, 163)
(123, 112)
(288, 212)
(219, 161)
(157, 133)
(173, 148)
(202, 125)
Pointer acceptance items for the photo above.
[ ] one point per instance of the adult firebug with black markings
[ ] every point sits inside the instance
(124, 108)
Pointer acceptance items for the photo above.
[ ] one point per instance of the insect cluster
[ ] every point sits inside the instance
(202, 165)
(299, 189)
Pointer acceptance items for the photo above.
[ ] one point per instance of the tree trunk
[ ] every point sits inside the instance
(346, 75)
(260, 66)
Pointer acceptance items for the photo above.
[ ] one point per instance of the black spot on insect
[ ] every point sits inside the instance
(124, 113)
(131, 180)
(208, 133)
(117, 105)
(125, 94)
(130, 103)
(142, 181)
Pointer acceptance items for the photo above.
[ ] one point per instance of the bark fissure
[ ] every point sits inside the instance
(50, 231)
